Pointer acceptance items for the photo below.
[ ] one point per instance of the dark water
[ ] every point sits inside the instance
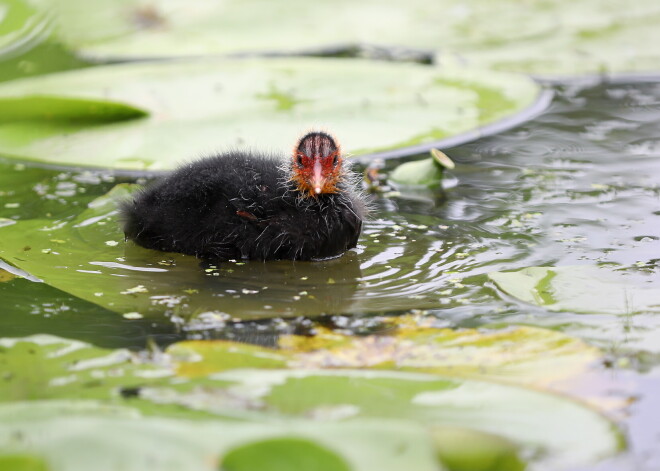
(578, 185)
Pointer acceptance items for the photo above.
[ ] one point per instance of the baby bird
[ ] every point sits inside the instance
(247, 205)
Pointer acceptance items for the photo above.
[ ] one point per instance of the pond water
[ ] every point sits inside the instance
(578, 185)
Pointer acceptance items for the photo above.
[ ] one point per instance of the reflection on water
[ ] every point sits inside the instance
(239, 290)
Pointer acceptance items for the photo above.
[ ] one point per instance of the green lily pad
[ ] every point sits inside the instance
(558, 37)
(291, 401)
(48, 367)
(283, 454)
(539, 425)
(458, 450)
(425, 172)
(27, 45)
(198, 107)
(582, 288)
(57, 109)
(6, 276)
(16, 462)
(569, 38)
(21, 27)
(415, 178)
(110, 438)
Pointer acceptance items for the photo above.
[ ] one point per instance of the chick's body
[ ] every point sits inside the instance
(241, 205)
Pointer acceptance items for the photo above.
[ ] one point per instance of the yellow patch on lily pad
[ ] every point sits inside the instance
(526, 355)
(6, 276)
(197, 358)
(521, 355)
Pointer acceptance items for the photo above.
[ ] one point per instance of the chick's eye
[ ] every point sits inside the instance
(335, 159)
(299, 160)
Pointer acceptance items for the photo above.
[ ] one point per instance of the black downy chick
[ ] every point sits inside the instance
(246, 205)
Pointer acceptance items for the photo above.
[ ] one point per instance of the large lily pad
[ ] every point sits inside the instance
(546, 424)
(83, 435)
(582, 288)
(198, 107)
(567, 38)
(556, 37)
(539, 425)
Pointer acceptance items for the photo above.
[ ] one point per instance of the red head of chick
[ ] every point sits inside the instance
(317, 164)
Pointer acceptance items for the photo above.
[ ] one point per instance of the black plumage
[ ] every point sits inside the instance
(245, 205)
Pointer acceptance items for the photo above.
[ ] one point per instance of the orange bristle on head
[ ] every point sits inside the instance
(317, 164)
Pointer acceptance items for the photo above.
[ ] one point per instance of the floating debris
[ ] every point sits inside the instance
(135, 290)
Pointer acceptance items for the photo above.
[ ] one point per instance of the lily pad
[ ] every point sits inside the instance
(21, 27)
(425, 172)
(49, 367)
(283, 454)
(539, 425)
(522, 355)
(27, 43)
(200, 107)
(6, 276)
(582, 289)
(22, 462)
(569, 38)
(109, 438)
(337, 409)
(57, 109)
(458, 450)
(558, 37)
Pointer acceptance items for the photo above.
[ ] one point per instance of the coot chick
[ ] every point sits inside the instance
(246, 205)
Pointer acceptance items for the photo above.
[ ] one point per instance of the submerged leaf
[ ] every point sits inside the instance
(582, 288)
